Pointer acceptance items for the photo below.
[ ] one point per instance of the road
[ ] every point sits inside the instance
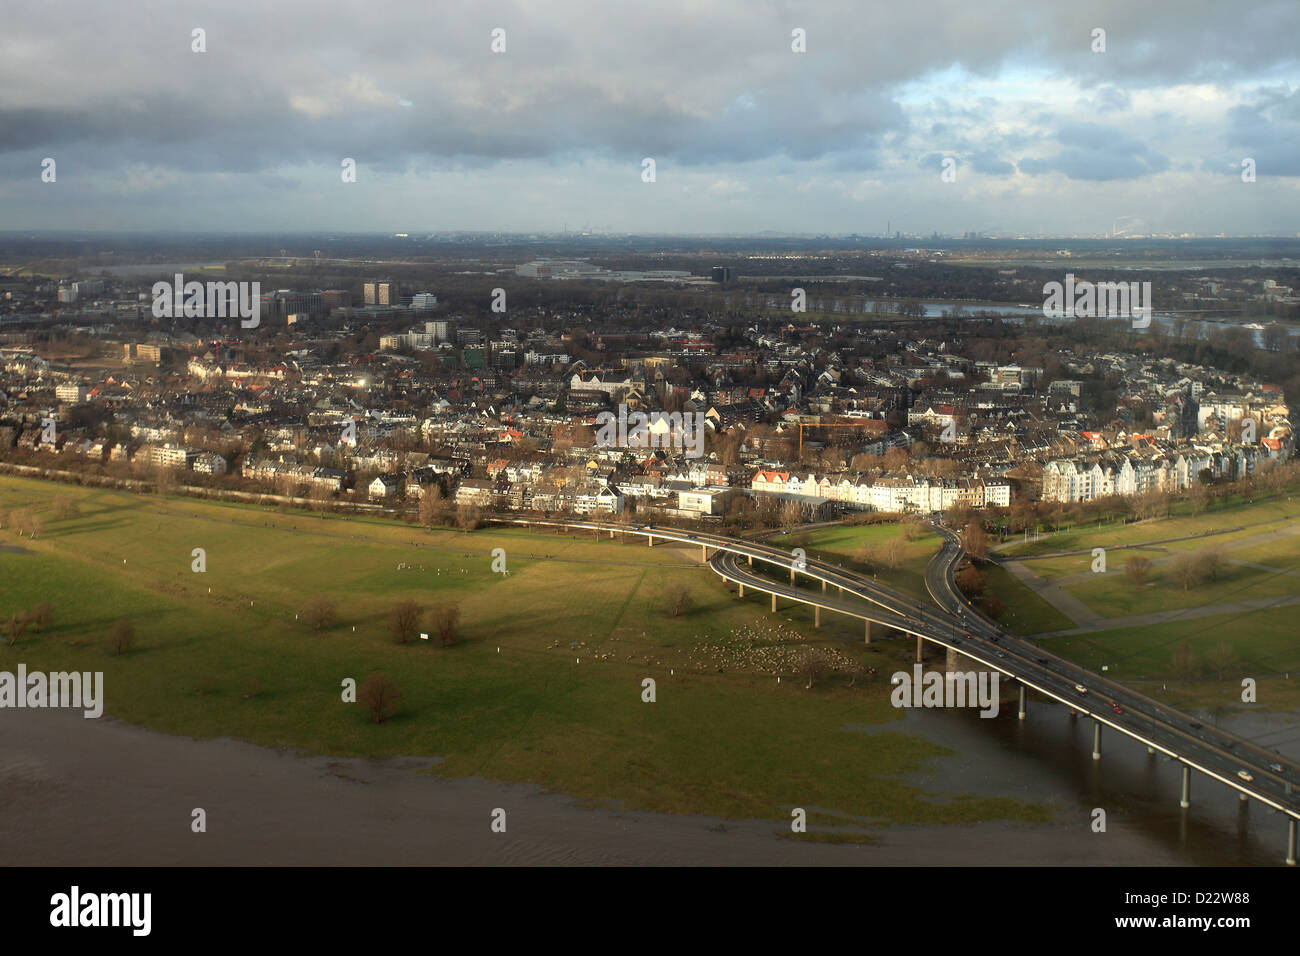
(1269, 777)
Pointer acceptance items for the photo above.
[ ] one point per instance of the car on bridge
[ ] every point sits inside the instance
(1245, 775)
(1276, 767)
(1116, 707)
(1080, 688)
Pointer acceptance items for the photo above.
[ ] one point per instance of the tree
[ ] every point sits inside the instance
(164, 480)
(121, 636)
(320, 611)
(15, 627)
(1222, 658)
(404, 621)
(1184, 665)
(1211, 563)
(432, 508)
(1138, 569)
(893, 553)
(379, 694)
(975, 540)
(677, 600)
(64, 507)
(469, 517)
(1187, 569)
(445, 619)
(970, 580)
(811, 666)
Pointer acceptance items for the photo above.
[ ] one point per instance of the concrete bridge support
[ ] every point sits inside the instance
(792, 575)
(918, 648)
(742, 590)
(817, 616)
(1290, 843)
(751, 560)
(1096, 739)
(1186, 800)
(773, 603)
(704, 553)
(823, 587)
(867, 637)
(1024, 703)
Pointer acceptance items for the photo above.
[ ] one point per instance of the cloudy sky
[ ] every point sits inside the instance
(1045, 135)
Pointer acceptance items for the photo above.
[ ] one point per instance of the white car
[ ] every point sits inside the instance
(1080, 688)
(1245, 775)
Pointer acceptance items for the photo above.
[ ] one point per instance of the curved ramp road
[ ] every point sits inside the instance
(1222, 756)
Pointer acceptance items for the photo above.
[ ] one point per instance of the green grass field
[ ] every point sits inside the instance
(1026, 613)
(1266, 645)
(840, 545)
(544, 685)
(1267, 515)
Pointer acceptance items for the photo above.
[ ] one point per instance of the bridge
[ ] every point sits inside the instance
(1255, 773)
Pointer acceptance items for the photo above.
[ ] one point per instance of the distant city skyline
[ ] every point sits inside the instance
(1047, 137)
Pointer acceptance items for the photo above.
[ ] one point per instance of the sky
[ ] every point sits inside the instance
(949, 117)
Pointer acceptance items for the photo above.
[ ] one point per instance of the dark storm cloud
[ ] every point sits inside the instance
(410, 89)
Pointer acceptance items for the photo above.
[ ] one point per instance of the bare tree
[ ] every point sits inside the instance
(811, 666)
(121, 636)
(379, 694)
(404, 621)
(970, 580)
(64, 507)
(39, 618)
(445, 619)
(15, 627)
(677, 600)
(469, 517)
(1185, 666)
(320, 611)
(433, 508)
(1188, 569)
(1222, 658)
(975, 540)
(1138, 568)
(1212, 563)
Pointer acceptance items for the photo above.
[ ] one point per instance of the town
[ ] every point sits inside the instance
(387, 395)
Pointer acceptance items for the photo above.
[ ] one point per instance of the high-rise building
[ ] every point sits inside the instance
(369, 293)
(424, 300)
(332, 299)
